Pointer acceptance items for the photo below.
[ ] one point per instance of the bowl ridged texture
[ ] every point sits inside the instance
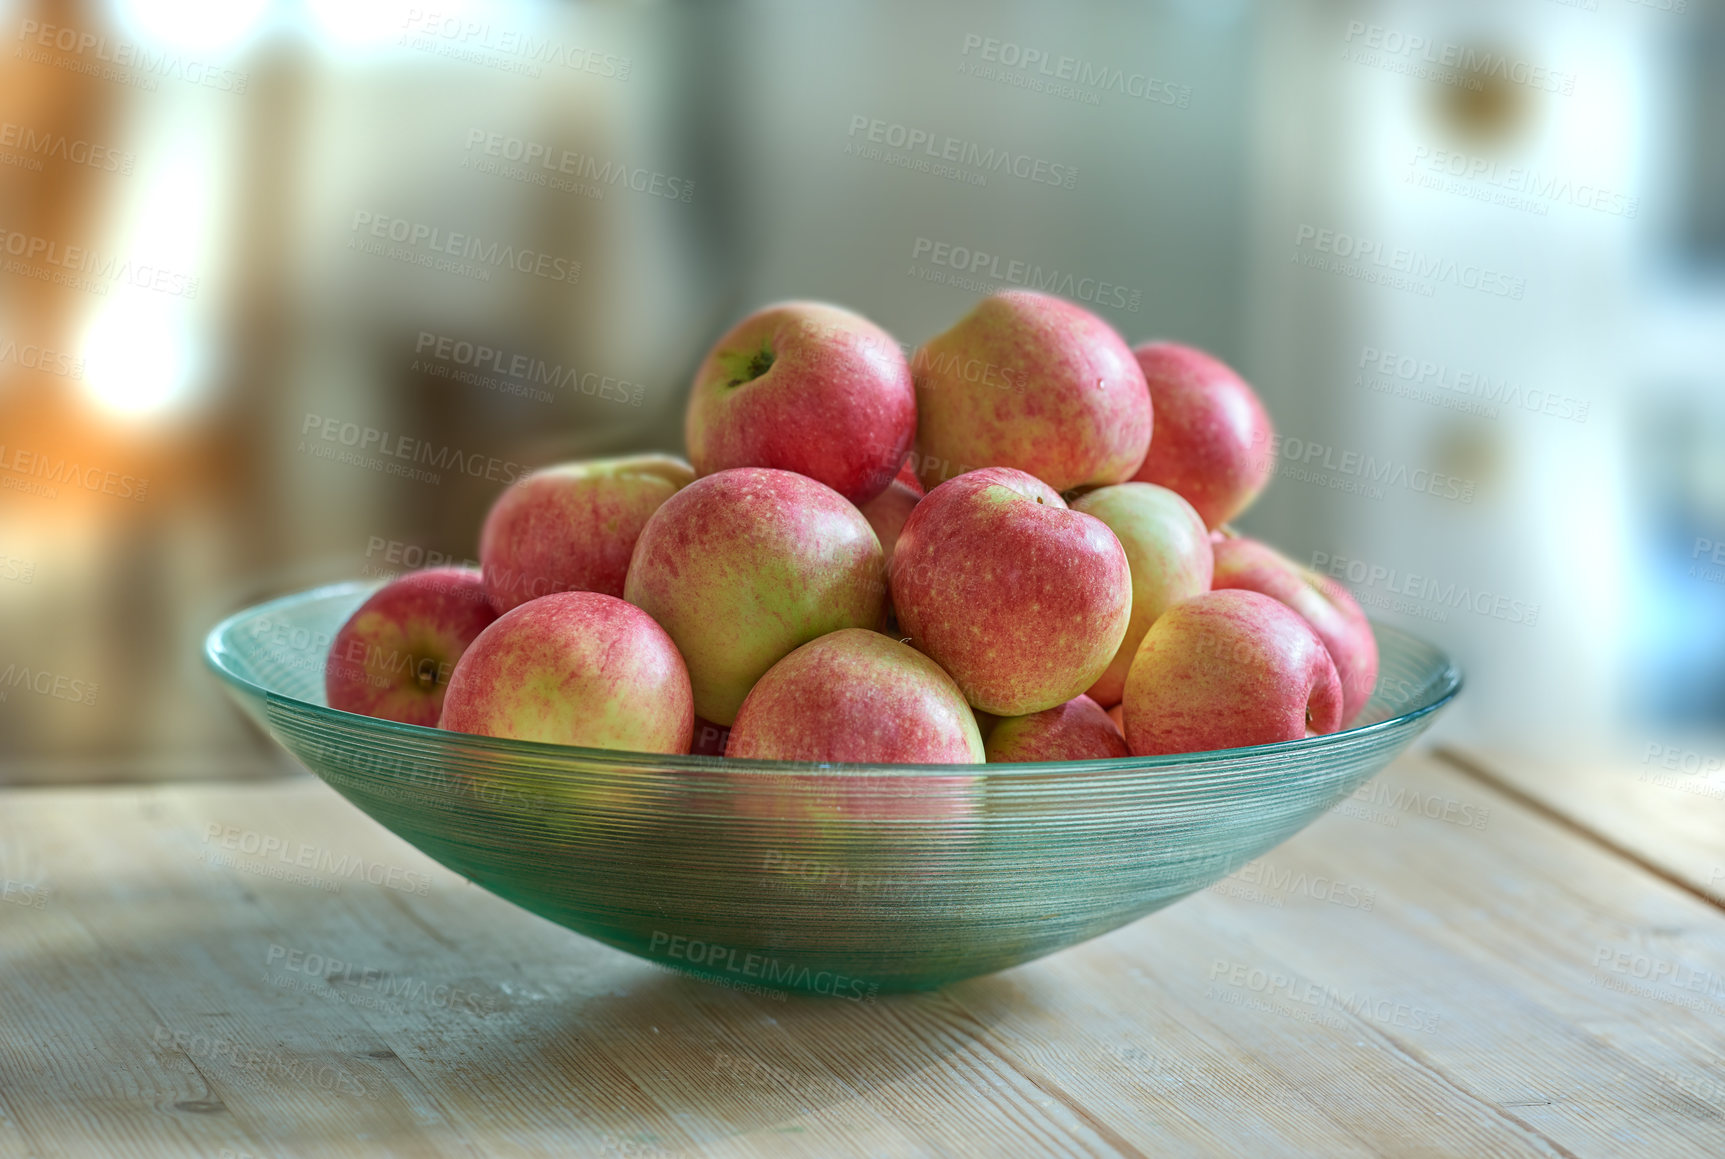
(836, 879)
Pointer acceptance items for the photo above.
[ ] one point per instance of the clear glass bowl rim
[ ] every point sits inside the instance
(216, 654)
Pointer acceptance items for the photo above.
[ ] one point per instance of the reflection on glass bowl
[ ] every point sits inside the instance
(848, 880)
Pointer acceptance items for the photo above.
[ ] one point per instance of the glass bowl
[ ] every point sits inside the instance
(846, 880)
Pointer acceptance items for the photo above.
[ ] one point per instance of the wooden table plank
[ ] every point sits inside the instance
(1432, 970)
(1663, 806)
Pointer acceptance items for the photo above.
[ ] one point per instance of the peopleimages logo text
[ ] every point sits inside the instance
(1410, 262)
(410, 450)
(1083, 73)
(1013, 272)
(1473, 62)
(94, 269)
(433, 240)
(958, 151)
(125, 55)
(726, 960)
(58, 146)
(570, 163)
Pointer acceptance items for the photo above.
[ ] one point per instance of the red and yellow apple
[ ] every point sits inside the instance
(393, 657)
(574, 668)
(887, 512)
(1032, 382)
(805, 387)
(1022, 600)
(1168, 550)
(1212, 441)
(858, 696)
(743, 566)
(1228, 669)
(1326, 605)
(1078, 730)
(573, 527)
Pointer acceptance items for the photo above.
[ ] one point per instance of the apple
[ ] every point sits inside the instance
(1035, 383)
(572, 527)
(805, 387)
(852, 696)
(1227, 669)
(887, 512)
(743, 566)
(1078, 730)
(393, 657)
(1212, 437)
(1326, 605)
(907, 475)
(1168, 549)
(858, 696)
(1022, 600)
(574, 668)
(1117, 714)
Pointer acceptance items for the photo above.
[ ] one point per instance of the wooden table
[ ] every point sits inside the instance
(1474, 956)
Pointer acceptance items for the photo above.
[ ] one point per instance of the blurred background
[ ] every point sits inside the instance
(288, 286)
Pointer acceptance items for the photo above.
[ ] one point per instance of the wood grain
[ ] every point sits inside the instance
(1435, 969)
(1663, 807)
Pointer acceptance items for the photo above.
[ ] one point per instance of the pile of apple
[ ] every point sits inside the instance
(1010, 546)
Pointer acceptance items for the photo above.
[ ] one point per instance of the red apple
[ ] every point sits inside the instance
(860, 697)
(1117, 714)
(575, 668)
(1078, 730)
(394, 656)
(855, 695)
(1022, 600)
(1212, 438)
(1228, 669)
(887, 512)
(1169, 552)
(1032, 382)
(1325, 604)
(805, 387)
(572, 527)
(907, 476)
(746, 565)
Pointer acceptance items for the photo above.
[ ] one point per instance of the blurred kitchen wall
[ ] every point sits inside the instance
(1470, 254)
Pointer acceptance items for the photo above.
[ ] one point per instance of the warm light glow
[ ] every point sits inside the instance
(139, 358)
(215, 27)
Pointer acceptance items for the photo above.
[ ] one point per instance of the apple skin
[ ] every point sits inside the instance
(394, 656)
(1326, 605)
(857, 696)
(852, 696)
(1078, 730)
(1212, 442)
(805, 387)
(743, 566)
(907, 476)
(1168, 548)
(1036, 383)
(574, 668)
(573, 527)
(886, 514)
(1023, 601)
(1228, 669)
(1117, 714)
